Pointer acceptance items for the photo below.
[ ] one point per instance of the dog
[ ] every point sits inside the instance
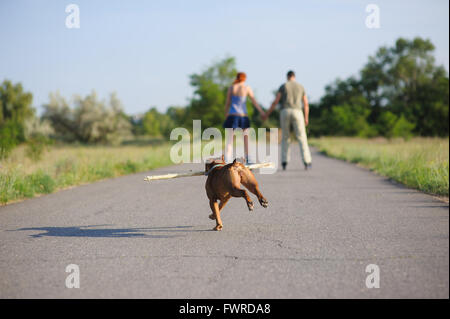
(224, 181)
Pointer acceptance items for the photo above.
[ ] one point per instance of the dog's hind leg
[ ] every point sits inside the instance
(237, 192)
(249, 181)
(223, 201)
(235, 184)
(215, 209)
(255, 190)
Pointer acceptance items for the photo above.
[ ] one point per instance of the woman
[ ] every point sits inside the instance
(236, 112)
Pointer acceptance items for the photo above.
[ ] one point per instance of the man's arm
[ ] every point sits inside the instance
(274, 104)
(306, 106)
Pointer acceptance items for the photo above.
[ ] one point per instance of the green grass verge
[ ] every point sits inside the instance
(420, 163)
(65, 165)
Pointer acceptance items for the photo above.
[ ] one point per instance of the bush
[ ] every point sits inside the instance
(403, 128)
(89, 121)
(36, 147)
(386, 123)
(349, 120)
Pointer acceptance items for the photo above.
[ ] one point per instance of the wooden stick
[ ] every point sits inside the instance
(174, 175)
(260, 165)
(200, 173)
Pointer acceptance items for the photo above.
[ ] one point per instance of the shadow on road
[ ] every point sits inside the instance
(94, 231)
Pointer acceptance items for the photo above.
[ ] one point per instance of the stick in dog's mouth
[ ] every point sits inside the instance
(202, 173)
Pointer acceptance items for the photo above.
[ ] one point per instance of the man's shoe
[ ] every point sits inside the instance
(307, 165)
(284, 165)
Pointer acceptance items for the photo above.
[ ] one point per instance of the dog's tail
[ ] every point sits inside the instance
(238, 165)
(243, 171)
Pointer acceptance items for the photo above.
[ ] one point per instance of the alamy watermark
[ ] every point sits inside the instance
(73, 17)
(373, 279)
(73, 279)
(373, 19)
(257, 149)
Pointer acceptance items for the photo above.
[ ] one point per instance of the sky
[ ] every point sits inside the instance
(146, 50)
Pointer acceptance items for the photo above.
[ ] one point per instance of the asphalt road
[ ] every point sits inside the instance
(135, 239)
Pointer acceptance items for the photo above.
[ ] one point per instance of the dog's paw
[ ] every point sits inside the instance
(264, 203)
(218, 228)
(250, 206)
(212, 216)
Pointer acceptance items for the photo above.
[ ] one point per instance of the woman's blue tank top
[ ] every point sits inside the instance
(238, 105)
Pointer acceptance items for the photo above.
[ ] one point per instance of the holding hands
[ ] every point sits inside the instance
(263, 115)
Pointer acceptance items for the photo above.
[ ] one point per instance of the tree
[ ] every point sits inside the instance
(89, 121)
(178, 115)
(155, 123)
(393, 126)
(150, 122)
(405, 80)
(8, 138)
(15, 109)
(344, 110)
(400, 87)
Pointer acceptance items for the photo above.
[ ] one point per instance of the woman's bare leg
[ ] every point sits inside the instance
(245, 132)
(229, 146)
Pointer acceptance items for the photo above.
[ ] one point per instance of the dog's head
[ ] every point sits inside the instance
(210, 162)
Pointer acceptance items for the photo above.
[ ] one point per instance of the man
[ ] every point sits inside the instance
(290, 96)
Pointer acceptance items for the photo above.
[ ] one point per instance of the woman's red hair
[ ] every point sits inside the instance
(240, 77)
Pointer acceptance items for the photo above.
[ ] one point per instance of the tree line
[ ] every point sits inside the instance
(400, 91)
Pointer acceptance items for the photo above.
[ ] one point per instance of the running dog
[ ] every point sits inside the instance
(224, 181)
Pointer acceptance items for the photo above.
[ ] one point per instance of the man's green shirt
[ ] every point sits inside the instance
(292, 94)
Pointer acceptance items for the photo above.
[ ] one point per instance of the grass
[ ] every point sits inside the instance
(67, 165)
(420, 163)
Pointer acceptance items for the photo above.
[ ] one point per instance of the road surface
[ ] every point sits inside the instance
(135, 239)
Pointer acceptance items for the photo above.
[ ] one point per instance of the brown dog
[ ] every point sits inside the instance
(224, 181)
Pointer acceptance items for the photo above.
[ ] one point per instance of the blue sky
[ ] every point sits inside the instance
(145, 50)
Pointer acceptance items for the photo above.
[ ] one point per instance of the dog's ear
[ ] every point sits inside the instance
(234, 162)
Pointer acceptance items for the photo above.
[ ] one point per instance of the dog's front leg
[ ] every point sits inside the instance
(215, 209)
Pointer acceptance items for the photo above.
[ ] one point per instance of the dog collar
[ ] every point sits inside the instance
(211, 169)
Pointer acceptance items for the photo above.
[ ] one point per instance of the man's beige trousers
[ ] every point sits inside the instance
(295, 117)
